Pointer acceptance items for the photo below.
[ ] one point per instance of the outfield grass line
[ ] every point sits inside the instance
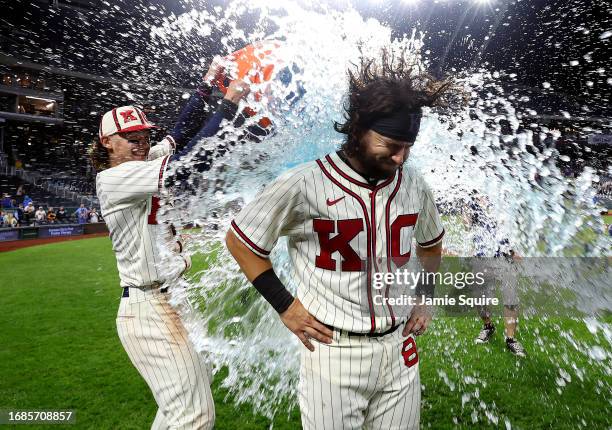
(27, 243)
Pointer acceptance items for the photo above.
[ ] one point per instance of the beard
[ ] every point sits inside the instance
(375, 166)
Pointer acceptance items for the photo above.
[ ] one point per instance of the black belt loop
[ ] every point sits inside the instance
(353, 333)
(126, 291)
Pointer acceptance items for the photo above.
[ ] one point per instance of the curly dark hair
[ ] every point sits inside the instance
(379, 89)
(98, 156)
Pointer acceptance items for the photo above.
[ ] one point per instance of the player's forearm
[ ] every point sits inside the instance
(192, 116)
(202, 160)
(260, 273)
(227, 110)
(430, 259)
(251, 264)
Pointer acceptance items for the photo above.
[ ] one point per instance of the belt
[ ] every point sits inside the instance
(353, 333)
(126, 290)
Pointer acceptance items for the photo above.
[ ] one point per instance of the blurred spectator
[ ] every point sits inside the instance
(28, 213)
(9, 220)
(40, 215)
(27, 200)
(82, 213)
(93, 215)
(1, 219)
(61, 214)
(51, 216)
(19, 214)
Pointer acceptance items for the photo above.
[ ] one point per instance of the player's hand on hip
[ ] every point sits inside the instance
(305, 326)
(420, 317)
(237, 90)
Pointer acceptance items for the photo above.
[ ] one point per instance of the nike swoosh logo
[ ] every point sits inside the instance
(333, 202)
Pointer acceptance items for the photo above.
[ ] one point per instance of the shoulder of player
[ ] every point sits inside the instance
(413, 181)
(299, 171)
(125, 167)
(165, 147)
(113, 172)
(411, 176)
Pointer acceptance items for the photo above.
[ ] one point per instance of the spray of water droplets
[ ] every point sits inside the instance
(478, 146)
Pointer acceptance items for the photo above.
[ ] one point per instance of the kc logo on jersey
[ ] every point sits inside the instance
(348, 229)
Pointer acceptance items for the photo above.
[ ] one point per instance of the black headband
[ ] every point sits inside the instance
(401, 125)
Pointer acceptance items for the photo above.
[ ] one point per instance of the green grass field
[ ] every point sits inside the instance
(59, 350)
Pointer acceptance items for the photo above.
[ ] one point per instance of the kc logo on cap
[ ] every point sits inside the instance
(123, 119)
(127, 116)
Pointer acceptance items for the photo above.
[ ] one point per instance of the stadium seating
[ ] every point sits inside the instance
(40, 197)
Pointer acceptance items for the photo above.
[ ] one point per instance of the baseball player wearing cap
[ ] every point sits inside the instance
(132, 177)
(348, 216)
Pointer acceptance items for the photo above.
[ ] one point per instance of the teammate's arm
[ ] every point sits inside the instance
(197, 108)
(188, 130)
(237, 90)
(430, 257)
(252, 265)
(260, 273)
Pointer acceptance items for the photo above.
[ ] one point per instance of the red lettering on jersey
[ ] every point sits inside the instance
(409, 352)
(127, 116)
(152, 218)
(347, 230)
(400, 222)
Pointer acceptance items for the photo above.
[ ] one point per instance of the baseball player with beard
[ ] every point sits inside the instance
(348, 216)
(132, 177)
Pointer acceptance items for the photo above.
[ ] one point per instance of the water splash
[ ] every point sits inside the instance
(481, 146)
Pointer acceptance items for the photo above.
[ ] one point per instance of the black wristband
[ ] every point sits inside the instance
(273, 290)
(228, 109)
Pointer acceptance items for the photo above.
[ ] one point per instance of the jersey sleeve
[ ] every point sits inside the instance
(272, 214)
(166, 147)
(131, 181)
(429, 229)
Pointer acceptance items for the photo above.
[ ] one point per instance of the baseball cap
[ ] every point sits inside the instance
(123, 120)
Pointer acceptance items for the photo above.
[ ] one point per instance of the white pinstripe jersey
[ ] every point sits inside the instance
(129, 199)
(340, 231)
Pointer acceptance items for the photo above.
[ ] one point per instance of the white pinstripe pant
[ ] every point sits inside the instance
(360, 382)
(158, 345)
